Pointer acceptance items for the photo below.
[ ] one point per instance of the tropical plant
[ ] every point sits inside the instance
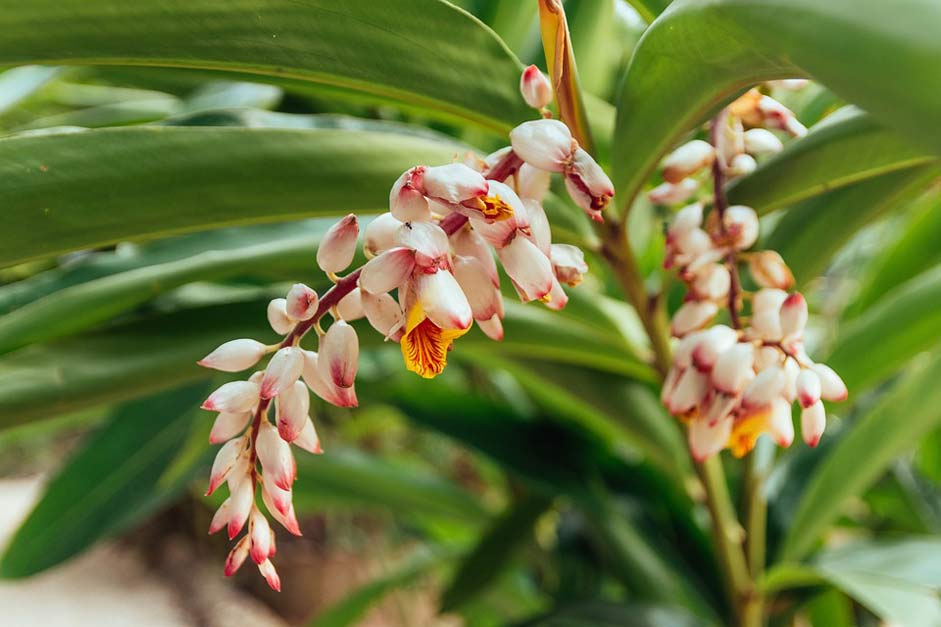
(173, 173)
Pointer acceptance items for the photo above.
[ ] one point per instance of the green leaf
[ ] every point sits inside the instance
(916, 249)
(606, 614)
(19, 83)
(698, 55)
(346, 477)
(152, 182)
(897, 580)
(902, 324)
(352, 608)
(893, 426)
(423, 53)
(649, 9)
(108, 485)
(848, 147)
(810, 233)
(495, 550)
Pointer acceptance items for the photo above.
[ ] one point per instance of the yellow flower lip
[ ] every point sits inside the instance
(425, 345)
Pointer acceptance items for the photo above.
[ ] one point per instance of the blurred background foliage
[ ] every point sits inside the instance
(151, 212)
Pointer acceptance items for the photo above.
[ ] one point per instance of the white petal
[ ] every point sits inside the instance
(712, 282)
(768, 299)
(687, 159)
(689, 392)
(568, 263)
(733, 368)
(691, 316)
(278, 317)
(468, 243)
(557, 298)
(529, 268)
(710, 344)
(808, 388)
(240, 505)
(545, 144)
(832, 387)
(293, 406)
(224, 462)
(535, 88)
(482, 296)
(443, 300)
(388, 271)
(793, 316)
(260, 536)
(454, 183)
(234, 396)
(308, 439)
(759, 141)
(380, 234)
(283, 370)
(428, 240)
(673, 193)
(384, 313)
(275, 456)
(493, 328)
(741, 223)
(705, 439)
(539, 228)
(350, 306)
(813, 422)
(324, 388)
(780, 422)
(228, 425)
(407, 203)
(764, 388)
(234, 356)
(769, 270)
(532, 183)
(301, 302)
(338, 246)
(687, 219)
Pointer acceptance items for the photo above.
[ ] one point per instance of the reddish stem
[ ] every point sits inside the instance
(506, 167)
(721, 204)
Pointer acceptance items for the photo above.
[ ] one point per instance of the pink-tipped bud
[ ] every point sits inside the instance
(492, 328)
(228, 425)
(759, 141)
(776, 115)
(712, 282)
(544, 144)
(454, 183)
(283, 370)
(733, 369)
(673, 193)
(688, 159)
(741, 225)
(387, 271)
(764, 388)
(277, 500)
(234, 356)
(293, 406)
(338, 246)
(339, 354)
(278, 316)
(769, 270)
(808, 388)
(813, 422)
(768, 299)
(260, 536)
(832, 387)
(407, 201)
(308, 439)
(384, 314)
(301, 303)
(689, 392)
(691, 316)
(240, 505)
(324, 388)
(483, 297)
(687, 219)
(535, 87)
(236, 557)
(275, 456)
(793, 316)
(708, 438)
(712, 343)
(588, 185)
(267, 570)
(234, 397)
(221, 518)
(380, 234)
(273, 547)
(568, 263)
(780, 422)
(742, 164)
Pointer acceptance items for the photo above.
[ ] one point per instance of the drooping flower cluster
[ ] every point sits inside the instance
(430, 274)
(732, 383)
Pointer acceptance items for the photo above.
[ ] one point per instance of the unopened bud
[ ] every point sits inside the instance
(380, 234)
(227, 426)
(301, 303)
(224, 462)
(769, 270)
(308, 440)
(813, 423)
(760, 141)
(383, 313)
(712, 282)
(338, 246)
(293, 406)
(692, 315)
(588, 185)
(733, 369)
(407, 201)
(832, 387)
(673, 193)
(568, 263)
(236, 557)
(780, 422)
(267, 570)
(275, 456)
(234, 356)
(741, 225)
(241, 503)
(278, 316)
(454, 183)
(339, 354)
(283, 370)
(687, 160)
(793, 316)
(545, 144)
(350, 306)
(764, 388)
(707, 438)
(234, 396)
(535, 87)
(808, 387)
(712, 343)
(742, 164)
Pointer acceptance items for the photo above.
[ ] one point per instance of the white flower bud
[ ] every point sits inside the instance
(234, 356)
(710, 344)
(339, 355)
(742, 164)
(260, 536)
(780, 422)
(380, 234)
(350, 306)
(383, 313)
(240, 505)
(388, 271)
(832, 387)
(807, 387)
(545, 144)
(568, 263)
(686, 220)
(492, 328)
(791, 370)
(407, 201)
(759, 141)
(712, 282)
(275, 456)
(532, 182)
(338, 246)
(454, 183)
(293, 406)
(224, 462)
(733, 369)
(227, 426)
(221, 518)
(588, 185)
(769, 270)
(535, 88)
(267, 571)
(691, 316)
(278, 316)
(236, 557)
(688, 159)
(673, 193)
(308, 439)
(705, 439)
(741, 224)
(793, 316)
(813, 422)
(301, 303)
(767, 356)
(234, 397)
(765, 387)
(689, 392)
(283, 370)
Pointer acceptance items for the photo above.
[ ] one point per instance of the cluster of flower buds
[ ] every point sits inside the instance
(743, 135)
(734, 383)
(430, 274)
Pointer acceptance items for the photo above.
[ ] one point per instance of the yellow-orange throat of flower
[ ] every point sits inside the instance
(425, 345)
(495, 209)
(746, 430)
